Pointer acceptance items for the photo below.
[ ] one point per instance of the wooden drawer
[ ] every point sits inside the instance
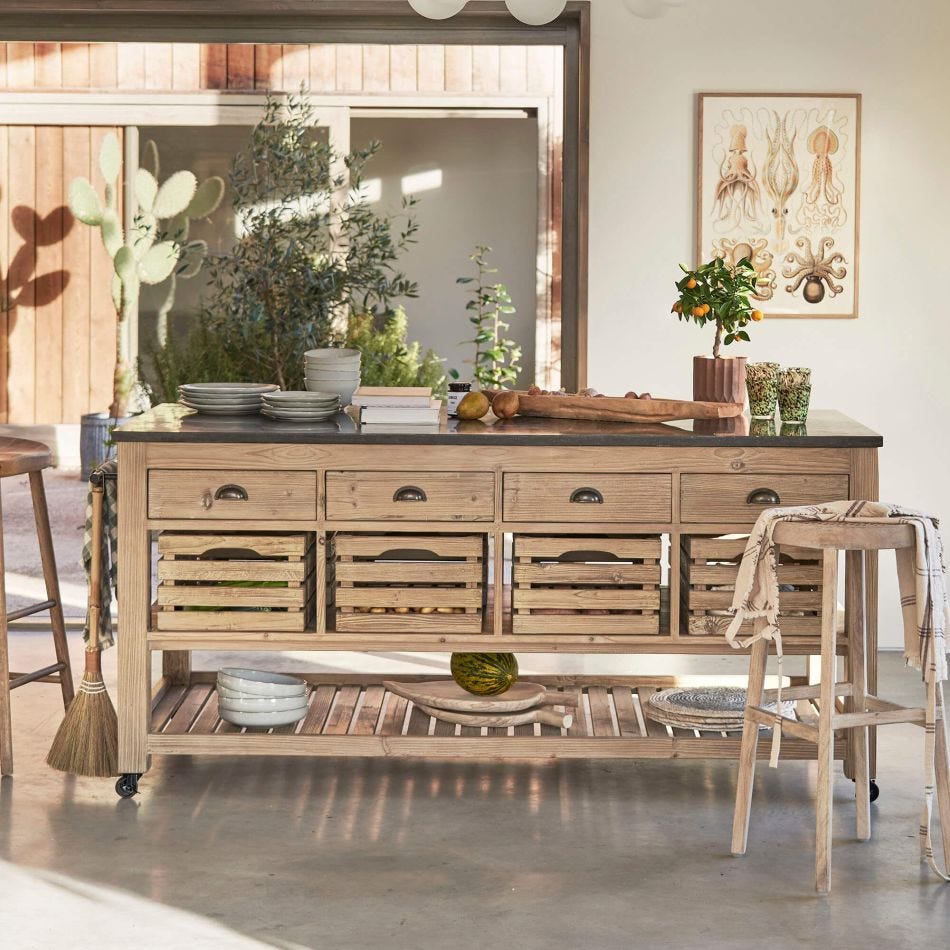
(229, 582)
(408, 583)
(410, 496)
(592, 584)
(740, 499)
(587, 498)
(232, 495)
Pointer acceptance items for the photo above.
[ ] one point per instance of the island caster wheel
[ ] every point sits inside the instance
(874, 791)
(128, 785)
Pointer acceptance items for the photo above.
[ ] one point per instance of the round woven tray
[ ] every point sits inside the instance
(706, 708)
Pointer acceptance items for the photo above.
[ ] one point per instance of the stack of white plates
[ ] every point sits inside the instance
(261, 700)
(300, 406)
(333, 371)
(224, 399)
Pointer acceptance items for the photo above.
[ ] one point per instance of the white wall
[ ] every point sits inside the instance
(888, 368)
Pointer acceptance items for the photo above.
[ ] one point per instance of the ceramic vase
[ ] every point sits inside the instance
(719, 380)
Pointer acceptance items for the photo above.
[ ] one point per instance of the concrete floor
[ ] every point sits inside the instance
(350, 853)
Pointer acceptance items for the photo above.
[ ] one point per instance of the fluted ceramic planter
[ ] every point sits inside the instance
(719, 380)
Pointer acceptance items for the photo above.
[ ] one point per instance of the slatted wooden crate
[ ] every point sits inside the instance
(709, 567)
(202, 581)
(404, 583)
(586, 584)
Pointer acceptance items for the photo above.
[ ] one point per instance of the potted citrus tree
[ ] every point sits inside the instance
(718, 293)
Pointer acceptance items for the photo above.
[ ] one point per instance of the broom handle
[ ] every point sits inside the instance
(93, 652)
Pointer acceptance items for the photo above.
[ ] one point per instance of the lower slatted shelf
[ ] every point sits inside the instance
(358, 716)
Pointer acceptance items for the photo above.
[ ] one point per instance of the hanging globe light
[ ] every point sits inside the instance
(437, 9)
(536, 12)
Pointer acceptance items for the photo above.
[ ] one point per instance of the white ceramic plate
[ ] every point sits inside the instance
(260, 682)
(228, 389)
(241, 702)
(220, 400)
(310, 417)
(262, 720)
(288, 398)
(223, 410)
(322, 401)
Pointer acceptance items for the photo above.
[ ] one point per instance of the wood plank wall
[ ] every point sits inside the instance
(57, 325)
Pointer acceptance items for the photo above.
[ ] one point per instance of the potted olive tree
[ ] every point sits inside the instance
(718, 293)
(149, 252)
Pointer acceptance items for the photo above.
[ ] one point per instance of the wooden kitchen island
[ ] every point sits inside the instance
(529, 536)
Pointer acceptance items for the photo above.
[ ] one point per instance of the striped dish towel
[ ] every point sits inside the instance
(109, 542)
(922, 581)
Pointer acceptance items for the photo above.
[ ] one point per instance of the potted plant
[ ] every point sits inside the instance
(718, 292)
(148, 253)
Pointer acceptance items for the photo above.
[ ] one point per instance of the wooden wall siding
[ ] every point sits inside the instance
(189, 67)
(57, 325)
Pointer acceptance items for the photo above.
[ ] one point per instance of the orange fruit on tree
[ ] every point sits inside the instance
(757, 315)
(699, 312)
(691, 283)
(677, 307)
(706, 308)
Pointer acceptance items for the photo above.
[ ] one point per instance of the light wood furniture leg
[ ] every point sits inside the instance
(858, 702)
(943, 771)
(823, 816)
(747, 752)
(48, 559)
(133, 688)
(6, 724)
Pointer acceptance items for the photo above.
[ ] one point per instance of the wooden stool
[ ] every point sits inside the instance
(863, 709)
(21, 457)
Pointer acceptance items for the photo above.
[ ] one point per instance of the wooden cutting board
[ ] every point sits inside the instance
(547, 716)
(619, 409)
(447, 694)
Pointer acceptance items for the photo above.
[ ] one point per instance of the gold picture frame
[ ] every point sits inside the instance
(779, 182)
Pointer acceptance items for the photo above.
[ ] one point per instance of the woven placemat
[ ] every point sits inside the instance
(705, 708)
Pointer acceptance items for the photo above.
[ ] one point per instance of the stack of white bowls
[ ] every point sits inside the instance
(260, 700)
(333, 371)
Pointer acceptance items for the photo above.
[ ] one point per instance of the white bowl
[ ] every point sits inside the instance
(333, 353)
(263, 720)
(344, 392)
(241, 702)
(261, 683)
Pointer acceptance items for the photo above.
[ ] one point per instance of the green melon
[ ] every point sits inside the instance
(485, 674)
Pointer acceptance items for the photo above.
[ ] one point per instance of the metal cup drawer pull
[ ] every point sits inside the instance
(410, 493)
(763, 496)
(586, 496)
(225, 493)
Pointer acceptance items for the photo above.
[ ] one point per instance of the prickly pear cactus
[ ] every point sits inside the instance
(140, 257)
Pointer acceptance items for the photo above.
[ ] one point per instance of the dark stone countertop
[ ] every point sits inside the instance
(175, 423)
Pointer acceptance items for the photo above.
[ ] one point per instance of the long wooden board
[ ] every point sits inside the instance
(620, 409)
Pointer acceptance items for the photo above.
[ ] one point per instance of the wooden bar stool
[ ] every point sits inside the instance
(863, 710)
(22, 457)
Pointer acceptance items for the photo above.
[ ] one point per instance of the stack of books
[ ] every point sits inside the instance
(392, 408)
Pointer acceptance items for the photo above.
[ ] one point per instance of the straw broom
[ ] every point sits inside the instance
(88, 737)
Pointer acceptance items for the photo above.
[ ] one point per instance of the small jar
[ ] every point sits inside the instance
(457, 392)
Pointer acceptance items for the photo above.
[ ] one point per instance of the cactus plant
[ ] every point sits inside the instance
(151, 250)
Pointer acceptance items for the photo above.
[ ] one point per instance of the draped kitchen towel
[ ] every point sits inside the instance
(922, 582)
(109, 540)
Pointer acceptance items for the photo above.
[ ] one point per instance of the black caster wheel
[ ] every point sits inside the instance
(874, 791)
(128, 785)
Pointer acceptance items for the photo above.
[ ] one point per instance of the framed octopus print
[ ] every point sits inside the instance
(779, 177)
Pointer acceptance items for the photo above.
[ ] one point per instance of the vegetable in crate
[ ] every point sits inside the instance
(485, 674)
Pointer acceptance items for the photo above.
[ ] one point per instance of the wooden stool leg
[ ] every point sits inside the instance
(6, 724)
(747, 752)
(48, 559)
(826, 738)
(858, 737)
(943, 771)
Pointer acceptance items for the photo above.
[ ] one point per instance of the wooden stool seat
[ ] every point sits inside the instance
(860, 710)
(24, 457)
(21, 456)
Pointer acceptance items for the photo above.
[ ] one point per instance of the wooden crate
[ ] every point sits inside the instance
(709, 567)
(399, 583)
(594, 584)
(200, 578)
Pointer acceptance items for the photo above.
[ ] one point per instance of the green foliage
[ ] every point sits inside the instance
(718, 293)
(311, 247)
(497, 359)
(388, 359)
(144, 255)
